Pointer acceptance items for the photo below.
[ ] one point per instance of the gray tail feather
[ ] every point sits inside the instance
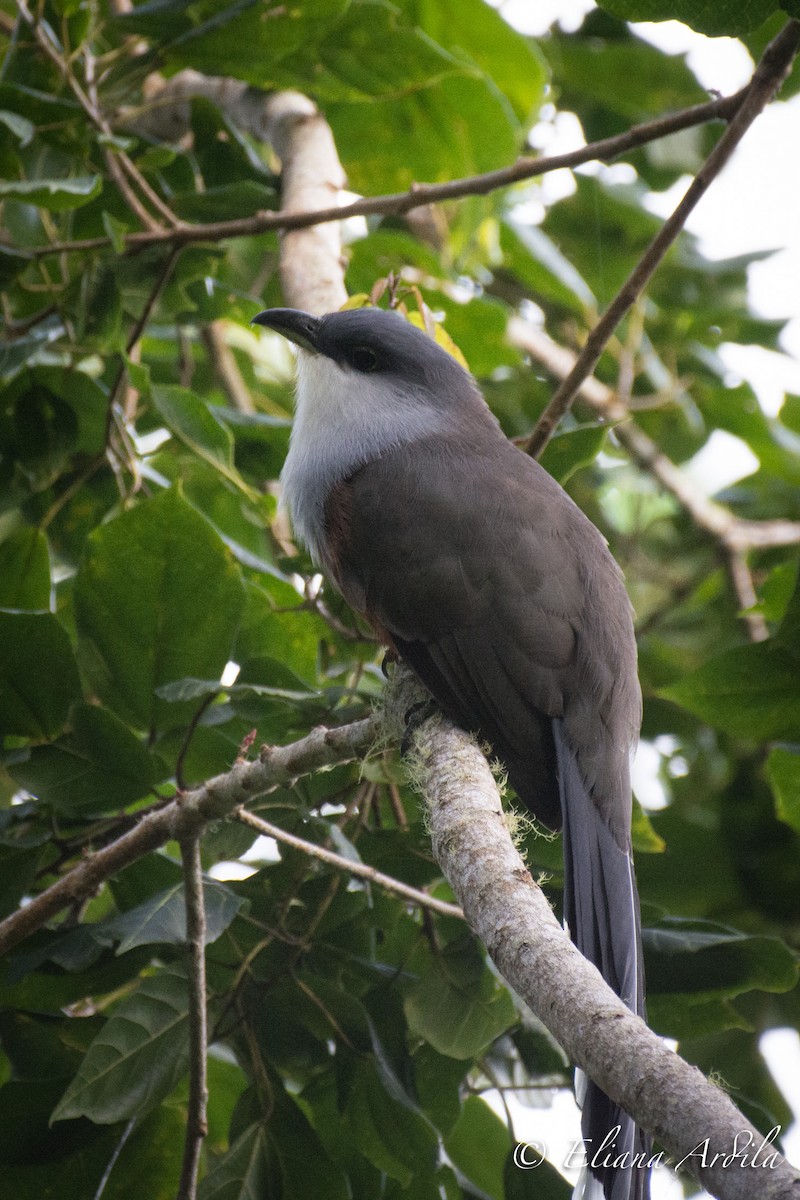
(601, 910)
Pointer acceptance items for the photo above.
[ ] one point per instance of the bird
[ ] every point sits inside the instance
(474, 566)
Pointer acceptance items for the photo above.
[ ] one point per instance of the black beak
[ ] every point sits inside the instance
(298, 327)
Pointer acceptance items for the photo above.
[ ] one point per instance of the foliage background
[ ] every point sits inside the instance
(141, 550)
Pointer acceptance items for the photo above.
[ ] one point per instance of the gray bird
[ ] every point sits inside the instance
(475, 566)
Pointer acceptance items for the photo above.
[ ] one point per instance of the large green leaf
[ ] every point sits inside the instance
(707, 958)
(752, 692)
(157, 598)
(137, 1058)
(477, 32)
(279, 1156)
(534, 1182)
(783, 772)
(695, 969)
(25, 570)
(478, 1146)
(461, 127)
(195, 424)
(244, 1171)
(567, 452)
(38, 675)
(54, 194)
(344, 51)
(458, 1005)
(100, 766)
(395, 1136)
(162, 918)
(716, 18)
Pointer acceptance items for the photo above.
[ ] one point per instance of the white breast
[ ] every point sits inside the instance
(343, 419)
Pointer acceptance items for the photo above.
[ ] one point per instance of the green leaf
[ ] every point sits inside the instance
(783, 772)
(150, 1157)
(458, 1005)
(226, 202)
(57, 195)
(22, 129)
(100, 766)
(38, 675)
(544, 271)
(684, 1016)
(459, 128)
(478, 1146)
(358, 50)
(244, 1171)
(542, 1182)
(393, 1135)
(752, 692)
(25, 570)
(280, 1156)
(195, 424)
(12, 263)
(157, 598)
(137, 1058)
(716, 18)
(567, 452)
(475, 32)
(162, 918)
(704, 958)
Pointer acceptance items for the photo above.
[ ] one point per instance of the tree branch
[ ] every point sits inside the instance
(358, 869)
(312, 272)
(189, 812)
(225, 367)
(736, 536)
(511, 916)
(767, 78)
(418, 195)
(197, 1119)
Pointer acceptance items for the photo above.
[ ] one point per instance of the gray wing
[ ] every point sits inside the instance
(504, 599)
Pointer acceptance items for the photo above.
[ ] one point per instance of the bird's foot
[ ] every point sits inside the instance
(414, 718)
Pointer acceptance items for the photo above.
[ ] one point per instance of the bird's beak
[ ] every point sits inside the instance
(298, 327)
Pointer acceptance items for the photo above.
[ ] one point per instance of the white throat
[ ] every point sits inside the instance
(344, 419)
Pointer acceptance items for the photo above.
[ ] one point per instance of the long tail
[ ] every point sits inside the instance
(601, 910)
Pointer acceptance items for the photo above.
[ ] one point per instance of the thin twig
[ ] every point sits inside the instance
(360, 870)
(742, 583)
(119, 164)
(767, 78)
(738, 533)
(189, 734)
(225, 367)
(197, 1118)
(735, 535)
(418, 195)
(144, 316)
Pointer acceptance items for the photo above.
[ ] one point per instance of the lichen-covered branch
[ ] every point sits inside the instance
(511, 916)
(190, 812)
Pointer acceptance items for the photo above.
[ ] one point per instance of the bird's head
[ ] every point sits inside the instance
(370, 349)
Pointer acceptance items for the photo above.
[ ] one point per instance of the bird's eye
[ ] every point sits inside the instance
(364, 359)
